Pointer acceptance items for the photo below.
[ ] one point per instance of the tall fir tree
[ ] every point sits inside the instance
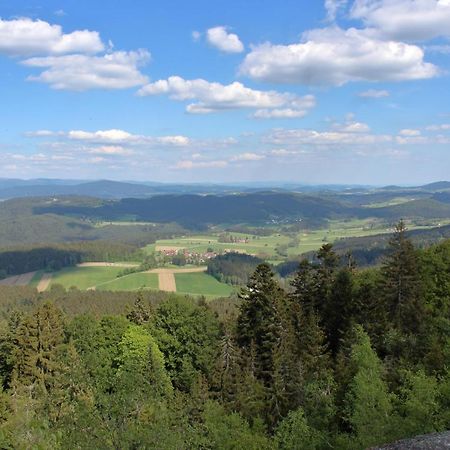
(401, 283)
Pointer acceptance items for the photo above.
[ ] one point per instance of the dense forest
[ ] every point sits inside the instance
(233, 268)
(344, 358)
(21, 259)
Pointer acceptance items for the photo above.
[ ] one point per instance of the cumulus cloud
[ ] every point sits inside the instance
(440, 127)
(113, 137)
(333, 56)
(410, 20)
(117, 70)
(25, 37)
(409, 132)
(352, 127)
(279, 113)
(320, 138)
(189, 164)
(111, 150)
(374, 93)
(247, 157)
(226, 42)
(333, 7)
(211, 97)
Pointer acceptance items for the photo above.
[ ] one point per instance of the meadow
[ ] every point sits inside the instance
(201, 284)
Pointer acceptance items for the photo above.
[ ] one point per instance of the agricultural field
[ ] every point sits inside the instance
(201, 284)
(132, 282)
(275, 246)
(190, 280)
(84, 277)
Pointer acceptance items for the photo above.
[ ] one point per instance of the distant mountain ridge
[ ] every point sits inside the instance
(108, 189)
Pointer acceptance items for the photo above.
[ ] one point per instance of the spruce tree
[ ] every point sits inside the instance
(259, 321)
(401, 283)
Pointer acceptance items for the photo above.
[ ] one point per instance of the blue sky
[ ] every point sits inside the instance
(337, 91)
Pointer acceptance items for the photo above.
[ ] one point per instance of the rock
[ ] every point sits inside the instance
(433, 441)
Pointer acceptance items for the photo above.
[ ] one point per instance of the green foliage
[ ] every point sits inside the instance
(295, 433)
(368, 404)
(187, 335)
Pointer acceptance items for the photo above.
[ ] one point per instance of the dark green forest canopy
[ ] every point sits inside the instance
(346, 359)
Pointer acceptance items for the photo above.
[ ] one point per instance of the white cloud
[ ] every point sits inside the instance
(441, 127)
(114, 136)
(410, 20)
(24, 37)
(297, 137)
(212, 97)
(333, 56)
(180, 141)
(226, 42)
(352, 127)
(196, 35)
(374, 93)
(117, 70)
(247, 157)
(333, 7)
(188, 164)
(111, 150)
(409, 132)
(279, 113)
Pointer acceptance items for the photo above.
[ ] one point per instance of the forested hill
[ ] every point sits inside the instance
(260, 207)
(209, 209)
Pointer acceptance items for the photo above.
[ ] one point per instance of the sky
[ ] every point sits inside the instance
(334, 91)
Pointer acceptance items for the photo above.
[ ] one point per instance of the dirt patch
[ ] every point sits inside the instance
(166, 277)
(44, 282)
(166, 281)
(108, 264)
(18, 280)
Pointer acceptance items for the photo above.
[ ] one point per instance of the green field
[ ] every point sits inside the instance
(266, 246)
(131, 282)
(201, 284)
(84, 277)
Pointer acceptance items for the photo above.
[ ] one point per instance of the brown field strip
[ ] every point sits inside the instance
(166, 277)
(44, 282)
(166, 282)
(18, 280)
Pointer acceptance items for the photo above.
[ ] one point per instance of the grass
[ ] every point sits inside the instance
(201, 284)
(84, 277)
(131, 282)
(266, 246)
(36, 278)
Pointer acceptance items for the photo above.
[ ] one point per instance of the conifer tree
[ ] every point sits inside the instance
(401, 283)
(38, 338)
(368, 405)
(259, 321)
(340, 309)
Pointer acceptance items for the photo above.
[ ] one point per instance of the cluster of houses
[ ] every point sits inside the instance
(191, 257)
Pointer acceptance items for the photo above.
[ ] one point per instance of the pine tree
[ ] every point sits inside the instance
(38, 338)
(401, 283)
(140, 313)
(340, 309)
(259, 321)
